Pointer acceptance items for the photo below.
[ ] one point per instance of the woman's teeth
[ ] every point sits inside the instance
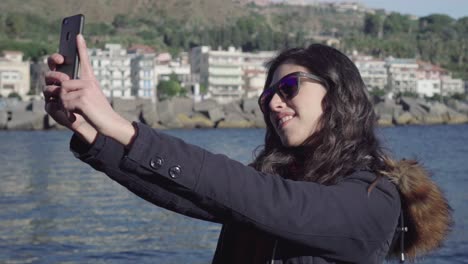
(284, 119)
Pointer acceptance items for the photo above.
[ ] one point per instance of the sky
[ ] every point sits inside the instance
(453, 8)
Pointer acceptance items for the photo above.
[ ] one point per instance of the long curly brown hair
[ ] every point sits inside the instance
(346, 139)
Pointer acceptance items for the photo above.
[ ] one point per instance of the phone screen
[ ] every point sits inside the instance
(71, 27)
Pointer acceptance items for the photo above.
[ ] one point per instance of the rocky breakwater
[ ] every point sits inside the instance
(414, 111)
(184, 113)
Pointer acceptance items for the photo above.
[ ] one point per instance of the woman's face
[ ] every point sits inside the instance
(296, 119)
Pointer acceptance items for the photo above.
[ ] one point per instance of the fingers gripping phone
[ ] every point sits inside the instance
(71, 27)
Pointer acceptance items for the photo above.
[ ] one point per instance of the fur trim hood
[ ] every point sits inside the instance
(426, 211)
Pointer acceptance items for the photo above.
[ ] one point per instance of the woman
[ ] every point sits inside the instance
(321, 190)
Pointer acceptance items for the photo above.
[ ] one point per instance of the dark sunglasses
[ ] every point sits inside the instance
(287, 87)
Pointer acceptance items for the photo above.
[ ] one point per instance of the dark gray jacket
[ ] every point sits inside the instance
(308, 222)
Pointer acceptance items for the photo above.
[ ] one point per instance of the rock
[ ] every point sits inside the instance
(214, 114)
(3, 119)
(459, 106)
(456, 118)
(165, 112)
(124, 105)
(205, 106)
(416, 107)
(405, 118)
(197, 121)
(182, 105)
(26, 120)
(438, 114)
(250, 105)
(385, 120)
(388, 107)
(234, 120)
(149, 114)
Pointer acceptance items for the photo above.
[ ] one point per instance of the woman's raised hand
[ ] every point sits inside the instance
(83, 99)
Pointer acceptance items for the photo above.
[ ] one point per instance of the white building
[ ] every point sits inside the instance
(402, 74)
(451, 86)
(373, 72)
(220, 71)
(428, 87)
(428, 75)
(14, 74)
(143, 76)
(255, 72)
(113, 70)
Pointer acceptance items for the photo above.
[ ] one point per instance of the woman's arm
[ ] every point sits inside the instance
(105, 154)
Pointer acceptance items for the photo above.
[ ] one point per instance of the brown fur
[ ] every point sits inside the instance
(427, 212)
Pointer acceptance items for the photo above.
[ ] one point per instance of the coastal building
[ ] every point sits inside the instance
(14, 74)
(428, 87)
(402, 75)
(256, 2)
(143, 76)
(220, 72)
(373, 72)
(255, 72)
(112, 68)
(428, 78)
(451, 86)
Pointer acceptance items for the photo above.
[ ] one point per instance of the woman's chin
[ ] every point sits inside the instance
(289, 142)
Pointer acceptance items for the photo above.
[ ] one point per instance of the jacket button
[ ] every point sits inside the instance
(175, 171)
(156, 163)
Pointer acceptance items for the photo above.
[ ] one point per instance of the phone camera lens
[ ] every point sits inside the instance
(65, 21)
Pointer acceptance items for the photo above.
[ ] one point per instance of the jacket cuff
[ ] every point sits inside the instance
(82, 150)
(103, 151)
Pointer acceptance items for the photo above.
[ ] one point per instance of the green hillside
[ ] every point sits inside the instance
(32, 26)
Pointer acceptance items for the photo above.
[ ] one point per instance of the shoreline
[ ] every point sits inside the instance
(183, 113)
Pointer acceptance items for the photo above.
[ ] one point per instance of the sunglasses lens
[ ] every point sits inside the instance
(288, 87)
(265, 99)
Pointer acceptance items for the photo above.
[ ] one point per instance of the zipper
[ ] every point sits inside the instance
(274, 252)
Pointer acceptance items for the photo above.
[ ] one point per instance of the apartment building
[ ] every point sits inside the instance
(143, 74)
(112, 68)
(166, 66)
(373, 72)
(220, 71)
(428, 78)
(451, 86)
(255, 72)
(14, 74)
(402, 74)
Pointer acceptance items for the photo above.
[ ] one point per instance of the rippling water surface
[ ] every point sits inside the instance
(55, 209)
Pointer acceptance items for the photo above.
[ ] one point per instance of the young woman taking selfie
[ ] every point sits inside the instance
(321, 190)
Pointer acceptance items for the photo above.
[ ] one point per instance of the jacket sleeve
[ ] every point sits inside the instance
(343, 221)
(105, 155)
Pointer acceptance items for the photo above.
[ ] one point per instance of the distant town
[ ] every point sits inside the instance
(222, 75)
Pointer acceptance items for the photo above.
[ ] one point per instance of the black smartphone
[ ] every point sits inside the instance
(71, 27)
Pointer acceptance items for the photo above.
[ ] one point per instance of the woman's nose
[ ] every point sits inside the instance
(277, 103)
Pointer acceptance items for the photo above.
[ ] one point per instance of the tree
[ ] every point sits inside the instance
(120, 21)
(373, 25)
(14, 95)
(434, 31)
(396, 23)
(168, 89)
(15, 24)
(461, 45)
